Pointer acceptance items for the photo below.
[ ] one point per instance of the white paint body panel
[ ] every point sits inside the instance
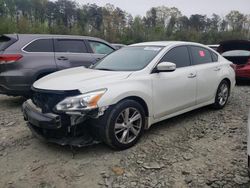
(173, 91)
(166, 94)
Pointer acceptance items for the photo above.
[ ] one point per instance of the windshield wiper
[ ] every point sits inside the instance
(104, 69)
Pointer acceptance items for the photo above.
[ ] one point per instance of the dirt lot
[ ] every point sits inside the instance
(203, 148)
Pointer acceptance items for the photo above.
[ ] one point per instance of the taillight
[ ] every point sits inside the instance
(9, 58)
(233, 66)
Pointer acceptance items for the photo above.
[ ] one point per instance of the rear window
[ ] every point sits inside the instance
(40, 45)
(214, 57)
(5, 42)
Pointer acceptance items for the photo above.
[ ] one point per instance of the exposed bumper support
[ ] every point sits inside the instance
(83, 141)
(56, 128)
(34, 116)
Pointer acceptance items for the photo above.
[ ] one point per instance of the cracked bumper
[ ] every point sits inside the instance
(56, 128)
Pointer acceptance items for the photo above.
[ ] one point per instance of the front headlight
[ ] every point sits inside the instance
(77, 103)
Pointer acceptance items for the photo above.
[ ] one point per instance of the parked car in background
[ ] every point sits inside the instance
(127, 92)
(24, 58)
(213, 46)
(238, 52)
(118, 46)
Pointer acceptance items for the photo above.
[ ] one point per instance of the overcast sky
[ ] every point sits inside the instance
(187, 7)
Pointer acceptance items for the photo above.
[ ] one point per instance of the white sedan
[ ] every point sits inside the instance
(126, 92)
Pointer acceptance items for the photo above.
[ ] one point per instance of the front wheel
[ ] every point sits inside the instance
(222, 95)
(123, 125)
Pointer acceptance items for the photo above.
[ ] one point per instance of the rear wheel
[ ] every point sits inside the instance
(222, 95)
(123, 125)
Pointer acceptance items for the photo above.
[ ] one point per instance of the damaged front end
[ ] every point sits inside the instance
(57, 116)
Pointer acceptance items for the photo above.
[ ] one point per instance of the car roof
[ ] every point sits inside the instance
(36, 36)
(166, 43)
(52, 35)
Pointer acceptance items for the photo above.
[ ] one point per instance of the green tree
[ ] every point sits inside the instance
(115, 25)
(236, 20)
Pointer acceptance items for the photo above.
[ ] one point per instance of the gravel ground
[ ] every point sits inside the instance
(202, 148)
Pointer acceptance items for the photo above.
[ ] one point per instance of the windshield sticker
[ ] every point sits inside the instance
(202, 53)
(152, 48)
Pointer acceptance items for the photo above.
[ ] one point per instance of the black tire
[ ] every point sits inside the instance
(219, 104)
(105, 125)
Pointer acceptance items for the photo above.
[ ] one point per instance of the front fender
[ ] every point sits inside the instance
(120, 91)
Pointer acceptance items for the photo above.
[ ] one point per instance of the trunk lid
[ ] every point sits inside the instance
(236, 51)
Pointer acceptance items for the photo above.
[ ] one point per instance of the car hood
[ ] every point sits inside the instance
(78, 79)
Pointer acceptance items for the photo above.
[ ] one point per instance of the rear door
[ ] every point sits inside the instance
(99, 49)
(39, 55)
(71, 53)
(208, 72)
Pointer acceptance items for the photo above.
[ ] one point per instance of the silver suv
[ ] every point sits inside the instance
(24, 58)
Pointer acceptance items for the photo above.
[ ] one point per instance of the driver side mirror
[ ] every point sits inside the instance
(165, 67)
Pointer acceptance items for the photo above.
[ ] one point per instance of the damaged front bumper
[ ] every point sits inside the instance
(61, 129)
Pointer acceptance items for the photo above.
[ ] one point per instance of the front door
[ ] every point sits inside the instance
(99, 49)
(174, 91)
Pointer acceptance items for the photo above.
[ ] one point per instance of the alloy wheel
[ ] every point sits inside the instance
(223, 94)
(128, 125)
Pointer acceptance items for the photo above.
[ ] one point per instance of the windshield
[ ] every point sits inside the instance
(131, 58)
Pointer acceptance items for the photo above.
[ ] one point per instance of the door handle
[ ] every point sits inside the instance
(217, 69)
(192, 75)
(62, 58)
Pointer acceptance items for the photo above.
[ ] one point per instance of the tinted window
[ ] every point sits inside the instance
(178, 55)
(40, 45)
(130, 58)
(4, 42)
(100, 48)
(200, 55)
(214, 57)
(70, 46)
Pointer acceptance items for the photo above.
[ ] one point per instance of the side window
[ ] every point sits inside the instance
(214, 56)
(40, 45)
(100, 48)
(179, 56)
(200, 55)
(70, 46)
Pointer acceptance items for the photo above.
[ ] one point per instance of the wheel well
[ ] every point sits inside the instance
(42, 75)
(228, 81)
(141, 102)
